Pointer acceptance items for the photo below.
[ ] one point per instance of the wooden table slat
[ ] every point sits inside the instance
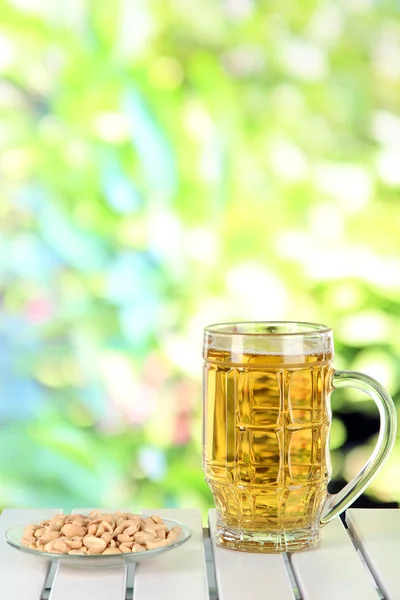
(333, 570)
(81, 584)
(22, 576)
(242, 575)
(177, 575)
(377, 534)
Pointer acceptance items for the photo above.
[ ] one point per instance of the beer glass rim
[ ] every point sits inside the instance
(301, 328)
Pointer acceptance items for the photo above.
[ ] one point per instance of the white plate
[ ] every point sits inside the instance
(15, 533)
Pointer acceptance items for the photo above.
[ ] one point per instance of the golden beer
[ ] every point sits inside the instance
(267, 419)
(266, 445)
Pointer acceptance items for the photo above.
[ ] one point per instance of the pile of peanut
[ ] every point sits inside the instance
(99, 533)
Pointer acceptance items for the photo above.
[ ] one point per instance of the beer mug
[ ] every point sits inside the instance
(267, 420)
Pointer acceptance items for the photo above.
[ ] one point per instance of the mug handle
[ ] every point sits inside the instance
(337, 503)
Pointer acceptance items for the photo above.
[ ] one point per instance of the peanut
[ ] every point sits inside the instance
(158, 544)
(104, 527)
(30, 531)
(80, 521)
(70, 530)
(107, 536)
(39, 532)
(156, 519)
(55, 525)
(172, 537)
(161, 535)
(74, 544)
(141, 537)
(47, 537)
(112, 551)
(91, 541)
(99, 533)
(27, 541)
(62, 546)
(49, 547)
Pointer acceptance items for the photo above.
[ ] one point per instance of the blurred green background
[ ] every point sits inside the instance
(165, 165)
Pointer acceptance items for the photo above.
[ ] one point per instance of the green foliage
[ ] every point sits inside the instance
(169, 164)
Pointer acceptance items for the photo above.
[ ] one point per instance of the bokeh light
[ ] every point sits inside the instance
(166, 165)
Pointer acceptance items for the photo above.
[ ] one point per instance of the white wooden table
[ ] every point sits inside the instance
(358, 563)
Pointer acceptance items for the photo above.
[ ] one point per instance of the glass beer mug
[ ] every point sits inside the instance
(267, 419)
